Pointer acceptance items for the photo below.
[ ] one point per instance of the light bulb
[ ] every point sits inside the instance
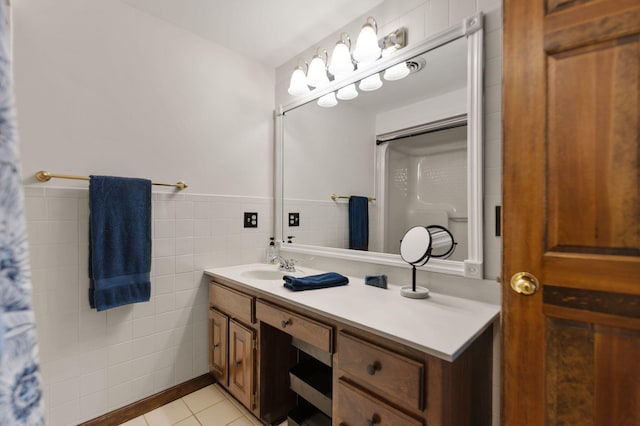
(328, 100)
(347, 92)
(317, 74)
(371, 83)
(397, 72)
(298, 85)
(367, 49)
(341, 64)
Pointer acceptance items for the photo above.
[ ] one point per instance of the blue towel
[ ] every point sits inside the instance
(312, 282)
(358, 223)
(120, 241)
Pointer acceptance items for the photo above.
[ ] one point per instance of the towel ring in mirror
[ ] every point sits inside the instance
(418, 245)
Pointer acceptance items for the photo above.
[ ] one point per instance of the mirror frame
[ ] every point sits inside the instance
(472, 267)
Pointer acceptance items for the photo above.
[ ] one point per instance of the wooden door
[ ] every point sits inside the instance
(218, 348)
(241, 363)
(571, 195)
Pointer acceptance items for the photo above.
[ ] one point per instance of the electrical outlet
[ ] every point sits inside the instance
(294, 219)
(250, 220)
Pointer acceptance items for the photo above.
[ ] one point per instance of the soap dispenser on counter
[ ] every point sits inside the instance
(272, 250)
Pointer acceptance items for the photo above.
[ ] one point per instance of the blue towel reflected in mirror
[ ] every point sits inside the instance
(358, 223)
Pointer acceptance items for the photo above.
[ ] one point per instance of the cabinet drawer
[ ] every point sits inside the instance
(387, 373)
(233, 303)
(306, 329)
(356, 407)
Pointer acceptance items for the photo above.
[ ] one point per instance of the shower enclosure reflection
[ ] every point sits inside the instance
(426, 184)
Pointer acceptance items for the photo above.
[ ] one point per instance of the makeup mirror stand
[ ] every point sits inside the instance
(418, 245)
(414, 292)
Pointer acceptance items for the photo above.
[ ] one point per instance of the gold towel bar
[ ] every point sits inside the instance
(335, 197)
(44, 176)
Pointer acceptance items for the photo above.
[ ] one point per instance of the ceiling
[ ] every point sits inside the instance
(268, 31)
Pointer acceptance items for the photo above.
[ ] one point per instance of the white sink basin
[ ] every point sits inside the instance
(269, 274)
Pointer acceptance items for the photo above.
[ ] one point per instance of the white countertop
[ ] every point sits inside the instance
(440, 325)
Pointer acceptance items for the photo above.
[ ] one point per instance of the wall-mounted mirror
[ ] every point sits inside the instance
(414, 147)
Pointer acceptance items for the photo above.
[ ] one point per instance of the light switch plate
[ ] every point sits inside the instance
(250, 219)
(294, 219)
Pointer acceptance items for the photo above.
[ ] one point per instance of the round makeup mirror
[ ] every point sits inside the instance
(442, 243)
(417, 246)
(414, 247)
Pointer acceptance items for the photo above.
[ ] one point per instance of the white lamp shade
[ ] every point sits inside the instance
(341, 64)
(298, 84)
(328, 100)
(397, 72)
(371, 83)
(367, 49)
(317, 74)
(347, 92)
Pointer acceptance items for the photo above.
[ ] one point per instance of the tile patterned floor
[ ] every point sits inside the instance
(209, 406)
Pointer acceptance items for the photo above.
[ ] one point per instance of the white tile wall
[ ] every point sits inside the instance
(93, 362)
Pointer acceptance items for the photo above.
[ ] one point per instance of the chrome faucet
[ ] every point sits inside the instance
(284, 264)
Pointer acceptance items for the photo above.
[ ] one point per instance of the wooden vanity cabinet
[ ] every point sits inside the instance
(218, 345)
(373, 380)
(242, 348)
(396, 377)
(356, 406)
(377, 381)
(299, 326)
(233, 342)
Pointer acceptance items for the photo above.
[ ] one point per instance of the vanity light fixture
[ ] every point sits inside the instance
(328, 100)
(347, 92)
(371, 83)
(298, 84)
(317, 73)
(367, 49)
(391, 43)
(397, 72)
(341, 64)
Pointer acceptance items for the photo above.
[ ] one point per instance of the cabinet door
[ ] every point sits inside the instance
(241, 363)
(218, 349)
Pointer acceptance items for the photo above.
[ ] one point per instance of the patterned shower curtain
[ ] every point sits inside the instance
(20, 390)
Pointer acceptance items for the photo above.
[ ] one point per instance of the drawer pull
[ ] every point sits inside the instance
(372, 368)
(217, 345)
(237, 363)
(375, 419)
(286, 323)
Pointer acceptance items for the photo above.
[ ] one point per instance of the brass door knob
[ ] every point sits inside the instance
(524, 283)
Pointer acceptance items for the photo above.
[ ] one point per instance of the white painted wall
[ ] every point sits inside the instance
(327, 151)
(426, 111)
(103, 88)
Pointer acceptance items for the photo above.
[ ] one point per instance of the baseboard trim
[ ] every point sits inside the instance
(138, 408)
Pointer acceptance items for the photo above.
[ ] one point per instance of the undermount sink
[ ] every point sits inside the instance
(268, 274)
